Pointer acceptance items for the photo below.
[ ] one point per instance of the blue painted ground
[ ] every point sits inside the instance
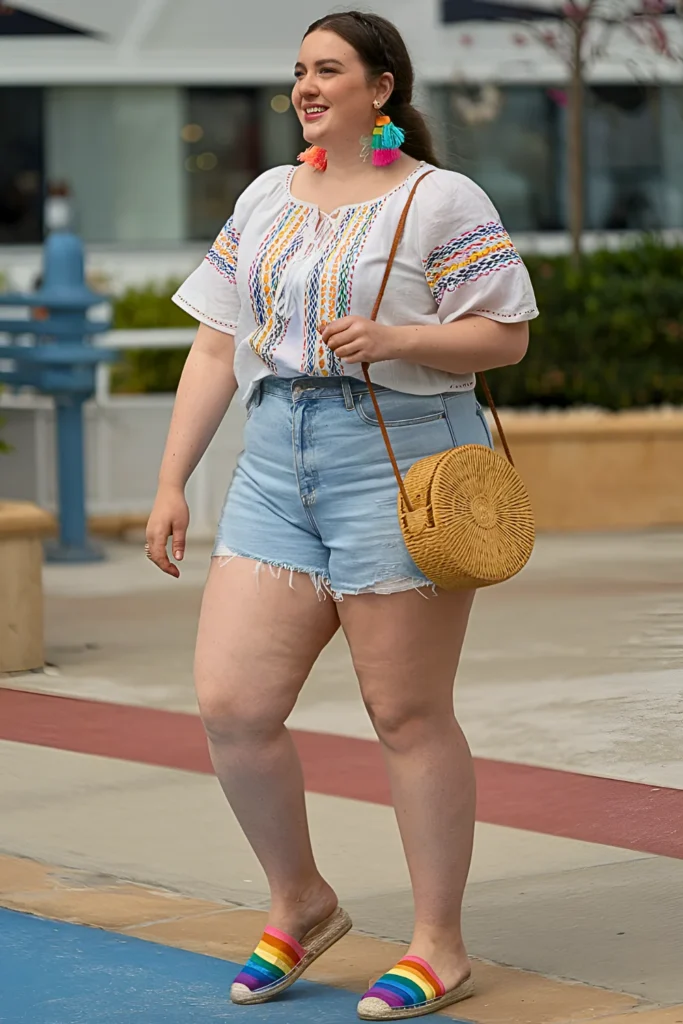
(53, 973)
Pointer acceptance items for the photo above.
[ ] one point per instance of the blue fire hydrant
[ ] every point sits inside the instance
(61, 363)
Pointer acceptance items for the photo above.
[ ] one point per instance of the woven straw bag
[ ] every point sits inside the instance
(465, 513)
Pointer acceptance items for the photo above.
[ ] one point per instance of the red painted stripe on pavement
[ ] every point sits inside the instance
(647, 819)
(146, 735)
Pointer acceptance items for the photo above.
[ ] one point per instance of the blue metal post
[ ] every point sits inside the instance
(64, 276)
(62, 364)
(73, 541)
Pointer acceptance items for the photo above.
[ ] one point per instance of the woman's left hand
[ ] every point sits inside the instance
(357, 340)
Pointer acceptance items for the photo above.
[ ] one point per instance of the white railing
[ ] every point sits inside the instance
(125, 340)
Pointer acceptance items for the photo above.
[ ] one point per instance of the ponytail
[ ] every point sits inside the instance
(418, 142)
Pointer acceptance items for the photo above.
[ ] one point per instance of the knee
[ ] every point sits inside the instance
(233, 714)
(404, 723)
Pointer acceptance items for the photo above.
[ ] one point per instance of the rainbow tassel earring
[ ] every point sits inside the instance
(316, 156)
(387, 140)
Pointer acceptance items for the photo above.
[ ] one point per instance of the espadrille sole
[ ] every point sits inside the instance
(377, 1009)
(316, 942)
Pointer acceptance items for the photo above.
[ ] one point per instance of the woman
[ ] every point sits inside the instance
(284, 299)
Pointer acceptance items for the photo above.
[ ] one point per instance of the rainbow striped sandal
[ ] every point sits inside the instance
(279, 960)
(410, 989)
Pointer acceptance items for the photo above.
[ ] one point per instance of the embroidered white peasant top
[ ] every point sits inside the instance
(280, 267)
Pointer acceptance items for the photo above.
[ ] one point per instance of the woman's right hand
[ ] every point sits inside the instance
(170, 517)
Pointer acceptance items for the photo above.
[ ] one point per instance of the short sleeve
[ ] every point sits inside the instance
(470, 263)
(210, 293)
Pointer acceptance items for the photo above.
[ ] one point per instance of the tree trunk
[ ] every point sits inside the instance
(575, 145)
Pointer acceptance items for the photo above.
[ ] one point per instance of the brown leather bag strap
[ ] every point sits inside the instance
(492, 407)
(373, 316)
(366, 366)
(394, 247)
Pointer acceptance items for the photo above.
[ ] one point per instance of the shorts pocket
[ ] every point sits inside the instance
(400, 409)
(487, 429)
(467, 421)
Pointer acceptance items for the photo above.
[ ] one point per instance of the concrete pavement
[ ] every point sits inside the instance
(576, 666)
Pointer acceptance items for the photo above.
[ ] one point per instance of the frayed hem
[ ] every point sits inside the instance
(319, 581)
(399, 585)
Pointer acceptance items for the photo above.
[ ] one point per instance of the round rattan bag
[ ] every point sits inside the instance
(471, 523)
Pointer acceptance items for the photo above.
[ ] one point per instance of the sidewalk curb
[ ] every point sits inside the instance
(226, 931)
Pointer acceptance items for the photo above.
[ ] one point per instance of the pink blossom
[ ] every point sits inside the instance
(574, 10)
(558, 96)
(658, 38)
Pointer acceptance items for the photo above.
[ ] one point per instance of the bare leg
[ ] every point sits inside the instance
(257, 643)
(406, 651)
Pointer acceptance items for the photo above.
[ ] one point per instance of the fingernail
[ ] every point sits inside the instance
(178, 555)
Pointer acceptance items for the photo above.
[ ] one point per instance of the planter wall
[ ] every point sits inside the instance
(22, 528)
(600, 471)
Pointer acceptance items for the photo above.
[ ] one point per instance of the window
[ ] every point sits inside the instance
(623, 158)
(21, 165)
(672, 156)
(513, 142)
(151, 164)
(230, 137)
(120, 152)
(221, 155)
(508, 141)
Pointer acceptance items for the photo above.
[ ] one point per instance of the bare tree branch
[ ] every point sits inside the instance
(601, 45)
(560, 45)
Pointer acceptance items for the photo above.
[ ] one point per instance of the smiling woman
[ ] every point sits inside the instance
(287, 299)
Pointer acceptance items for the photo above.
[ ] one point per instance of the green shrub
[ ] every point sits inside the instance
(609, 334)
(146, 371)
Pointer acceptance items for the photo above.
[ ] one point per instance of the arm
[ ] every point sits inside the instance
(206, 388)
(468, 345)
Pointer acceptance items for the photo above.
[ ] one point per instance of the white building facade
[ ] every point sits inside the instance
(162, 114)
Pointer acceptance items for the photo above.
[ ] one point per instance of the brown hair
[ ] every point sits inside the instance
(381, 48)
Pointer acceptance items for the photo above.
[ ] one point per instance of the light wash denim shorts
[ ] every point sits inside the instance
(314, 491)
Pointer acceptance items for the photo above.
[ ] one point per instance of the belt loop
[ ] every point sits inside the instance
(256, 395)
(348, 394)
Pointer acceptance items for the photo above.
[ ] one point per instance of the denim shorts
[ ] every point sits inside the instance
(314, 492)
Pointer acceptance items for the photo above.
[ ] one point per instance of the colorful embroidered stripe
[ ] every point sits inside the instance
(223, 253)
(282, 242)
(329, 285)
(275, 956)
(462, 260)
(410, 983)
